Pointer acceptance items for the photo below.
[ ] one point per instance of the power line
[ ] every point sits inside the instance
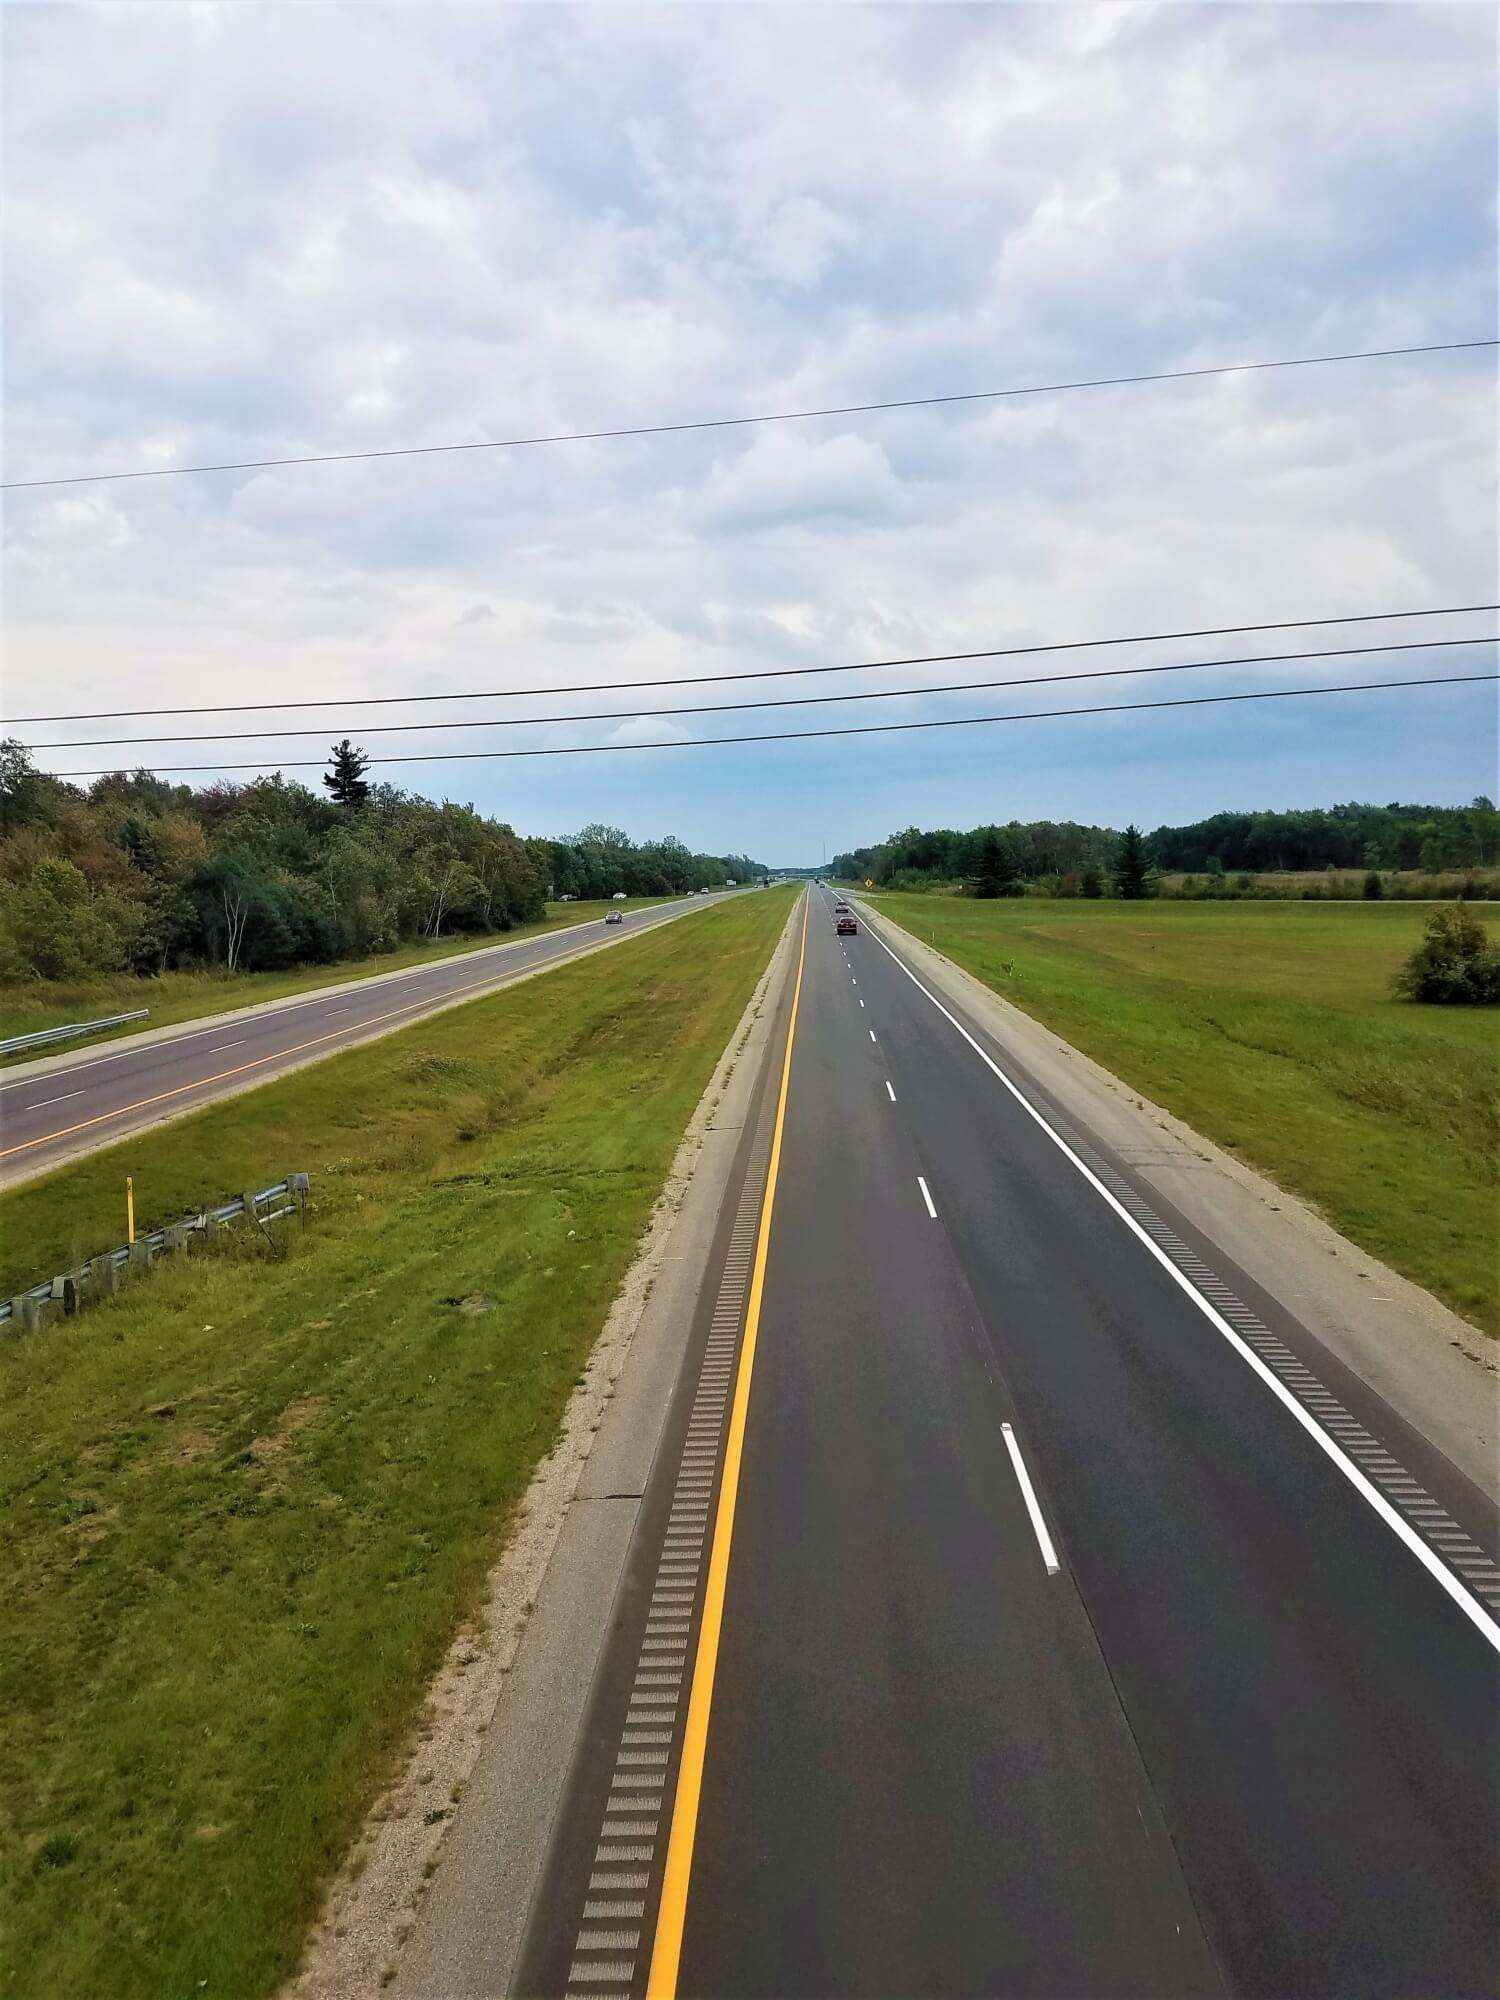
(851, 729)
(737, 423)
(346, 702)
(777, 701)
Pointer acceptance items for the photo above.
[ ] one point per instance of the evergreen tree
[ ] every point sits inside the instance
(345, 776)
(996, 873)
(1130, 865)
(990, 863)
(1092, 882)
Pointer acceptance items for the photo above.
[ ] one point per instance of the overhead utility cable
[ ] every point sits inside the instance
(775, 701)
(850, 729)
(738, 423)
(346, 702)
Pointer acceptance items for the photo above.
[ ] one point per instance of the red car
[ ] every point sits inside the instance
(847, 927)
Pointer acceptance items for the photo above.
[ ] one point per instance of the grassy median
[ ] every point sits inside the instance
(1272, 1028)
(31, 1004)
(246, 1504)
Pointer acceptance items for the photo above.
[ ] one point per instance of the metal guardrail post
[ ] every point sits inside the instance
(41, 1036)
(100, 1276)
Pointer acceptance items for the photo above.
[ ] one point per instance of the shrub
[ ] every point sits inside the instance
(1374, 887)
(1456, 964)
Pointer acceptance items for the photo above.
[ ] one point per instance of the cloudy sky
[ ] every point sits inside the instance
(248, 231)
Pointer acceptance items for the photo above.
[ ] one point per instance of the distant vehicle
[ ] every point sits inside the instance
(730, 883)
(567, 899)
(615, 917)
(847, 927)
(841, 909)
(619, 896)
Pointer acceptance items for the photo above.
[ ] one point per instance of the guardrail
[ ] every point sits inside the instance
(44, 1035)
(100, 1276)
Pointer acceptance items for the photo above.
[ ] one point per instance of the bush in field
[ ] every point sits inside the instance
(1457, 963)
(1374, 887)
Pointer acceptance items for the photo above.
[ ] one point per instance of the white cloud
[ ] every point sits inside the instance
(238, 233)
(781, 478)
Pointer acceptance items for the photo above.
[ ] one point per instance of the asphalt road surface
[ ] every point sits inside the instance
(99, 1097)
(1044, 1616)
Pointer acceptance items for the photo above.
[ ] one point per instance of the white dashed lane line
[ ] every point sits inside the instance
(43, 1102)
(890, 1093)
(926, 1196)
(1033, 1507)
(1465, 1572)
(218, 1047)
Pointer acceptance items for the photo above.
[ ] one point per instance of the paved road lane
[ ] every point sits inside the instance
(1213, 1708)
(1318, 1720)
(91, 1100)
(919, 1779)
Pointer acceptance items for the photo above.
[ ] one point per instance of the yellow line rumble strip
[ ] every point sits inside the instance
(604, 1960)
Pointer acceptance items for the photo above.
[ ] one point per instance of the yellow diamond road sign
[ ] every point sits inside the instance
(868, 883)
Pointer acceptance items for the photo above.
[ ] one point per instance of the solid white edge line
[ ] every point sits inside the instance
(1033, 1508)
(1477, 1616)
(890, 1093)
(927, 1197)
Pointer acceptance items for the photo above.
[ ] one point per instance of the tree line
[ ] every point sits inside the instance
(1064, 858)
(136, 874)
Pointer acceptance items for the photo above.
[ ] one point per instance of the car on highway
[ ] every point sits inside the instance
(615, 917)
(847, 927)
(841, 909)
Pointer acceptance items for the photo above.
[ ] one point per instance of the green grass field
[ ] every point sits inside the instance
(183, 996)
(247, 1504)
(1271, 1028)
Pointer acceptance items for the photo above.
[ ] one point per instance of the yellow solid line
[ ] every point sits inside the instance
(672, 1912)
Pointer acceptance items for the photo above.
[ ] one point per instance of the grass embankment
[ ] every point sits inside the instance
(183, 996)
(1271, 1028)
(244, 1507)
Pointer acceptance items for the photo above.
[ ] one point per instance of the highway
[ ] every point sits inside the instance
(58, 1107)
(1020, 1605)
